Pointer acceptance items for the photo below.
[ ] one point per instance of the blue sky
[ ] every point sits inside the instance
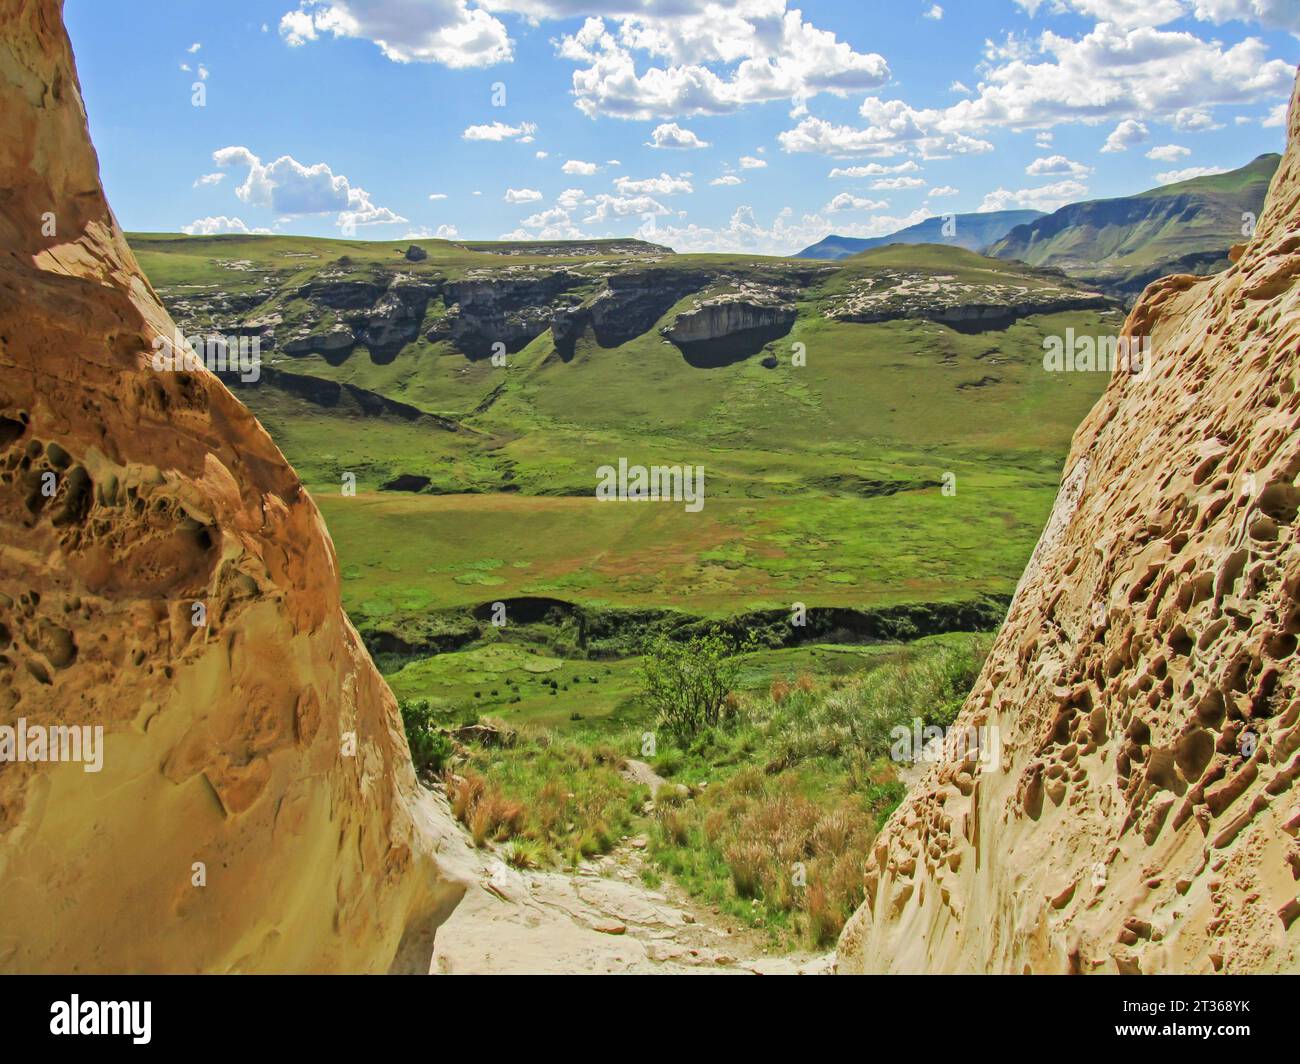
(756, 125)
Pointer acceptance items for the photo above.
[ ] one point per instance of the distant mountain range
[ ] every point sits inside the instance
(1123, 244)
(974, 232)
(1118, 245)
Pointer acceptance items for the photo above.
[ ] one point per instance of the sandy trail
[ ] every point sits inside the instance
(601, 919)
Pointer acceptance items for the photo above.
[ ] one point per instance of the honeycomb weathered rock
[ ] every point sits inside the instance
(1144, 816)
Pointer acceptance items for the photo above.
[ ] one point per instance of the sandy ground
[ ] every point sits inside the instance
(600, 919)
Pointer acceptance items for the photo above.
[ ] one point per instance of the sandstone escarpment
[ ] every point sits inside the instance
(893, 295)
(1143, 814)
(727, 316)
(165, 577)
(627, 307)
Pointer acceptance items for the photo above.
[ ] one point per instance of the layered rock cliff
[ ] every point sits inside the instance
(725, 316)
(1143, 813)
(165, 577)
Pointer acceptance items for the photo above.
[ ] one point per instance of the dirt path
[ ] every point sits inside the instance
(602, 919)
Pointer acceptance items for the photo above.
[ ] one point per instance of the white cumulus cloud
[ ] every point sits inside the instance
(289, 187)
(1046, 198)
(219, 224)
(1168, 153)
(447, 32)
(1057, 166)
(1172, 177)
(663, 185)
(847, 202)
(499, 131)
(671, 135)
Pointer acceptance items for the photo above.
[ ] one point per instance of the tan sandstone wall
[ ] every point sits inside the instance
(1144, 814)
(224, 744)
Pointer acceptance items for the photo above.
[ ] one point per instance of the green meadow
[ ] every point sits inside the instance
(847, 466)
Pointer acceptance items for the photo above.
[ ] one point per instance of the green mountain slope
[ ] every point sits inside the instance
(829, 404)
(1123, 244)
(971, 231)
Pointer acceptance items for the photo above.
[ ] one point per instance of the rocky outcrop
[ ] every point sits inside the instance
(512, 310)
(627, 307)
(893, 295)
(394, 321)
(326, 341)
(1143, 814)
(343, 313)
(336, 294)
(727, 316)
(164, 577)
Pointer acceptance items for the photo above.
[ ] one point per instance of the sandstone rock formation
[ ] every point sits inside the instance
(628, 306)
(256, 805)
(893, 295)
(726, 316)
(1144, 812)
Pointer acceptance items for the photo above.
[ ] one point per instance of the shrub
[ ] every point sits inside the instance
(687, 683)
(430, 748)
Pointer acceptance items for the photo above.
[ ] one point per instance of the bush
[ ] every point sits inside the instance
(687, 683)
(858, 718)
(430, 748)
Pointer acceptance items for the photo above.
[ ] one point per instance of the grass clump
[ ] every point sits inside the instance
(551, 800)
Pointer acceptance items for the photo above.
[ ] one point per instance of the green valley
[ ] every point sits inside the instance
(880, 444)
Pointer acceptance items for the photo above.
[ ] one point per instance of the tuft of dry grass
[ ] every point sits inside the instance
(796, 849)
(483, 809)
(565, 798)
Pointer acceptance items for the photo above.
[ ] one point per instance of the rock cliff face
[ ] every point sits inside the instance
(893, 295)
(718, 319)
(628, 306)
(1143, 814)
(164, 576)
(511, 311)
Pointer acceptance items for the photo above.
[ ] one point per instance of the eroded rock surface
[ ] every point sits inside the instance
(164, 576)
(891, 295)
(726, 316)
(1143, 815)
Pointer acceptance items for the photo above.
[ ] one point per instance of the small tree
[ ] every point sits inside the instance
(688, 682)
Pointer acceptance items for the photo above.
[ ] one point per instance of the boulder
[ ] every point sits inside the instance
(253, 808)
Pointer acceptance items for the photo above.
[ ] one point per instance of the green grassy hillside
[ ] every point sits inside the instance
(972, 231)
(825, 449)
(1123, 244)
